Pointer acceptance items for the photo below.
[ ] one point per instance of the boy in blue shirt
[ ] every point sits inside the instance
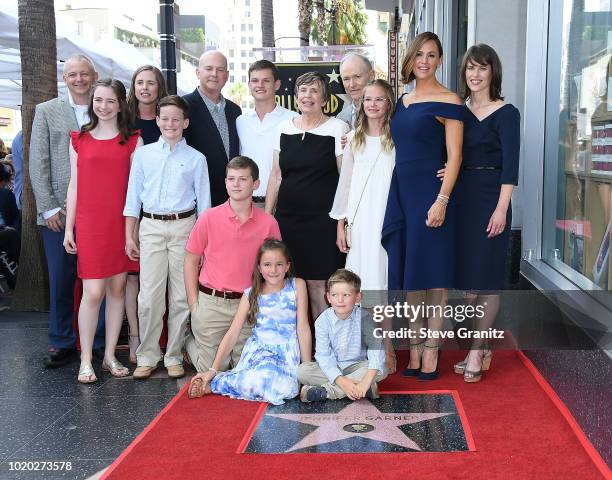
(169, 181)
(349, 361)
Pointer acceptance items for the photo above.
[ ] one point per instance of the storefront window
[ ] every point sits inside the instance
(577, 227)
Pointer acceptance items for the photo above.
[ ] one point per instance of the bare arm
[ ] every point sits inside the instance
(273, 184)
(191, 272)
(131, 246)
(231, 336)
(454, 144)
(303, 327)
(69, 242)
(497, 223)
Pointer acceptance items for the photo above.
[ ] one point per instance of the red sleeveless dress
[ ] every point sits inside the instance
(103, 168)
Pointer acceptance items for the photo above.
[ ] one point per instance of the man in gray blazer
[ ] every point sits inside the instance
(355, 71)
(50, 174)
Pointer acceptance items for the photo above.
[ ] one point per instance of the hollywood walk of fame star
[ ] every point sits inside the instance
(333, 76)
(360, 418)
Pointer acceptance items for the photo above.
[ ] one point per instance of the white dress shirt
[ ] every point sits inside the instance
(257, 140)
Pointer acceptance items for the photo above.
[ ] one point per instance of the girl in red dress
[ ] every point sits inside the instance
(100, 158)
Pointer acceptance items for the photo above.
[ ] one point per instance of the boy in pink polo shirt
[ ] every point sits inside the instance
(226, 239)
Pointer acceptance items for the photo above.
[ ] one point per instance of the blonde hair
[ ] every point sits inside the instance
(361, 120)
(344, 275)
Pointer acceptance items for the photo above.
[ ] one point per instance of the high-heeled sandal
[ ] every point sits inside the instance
(134, 343)
(486, 363)
(414, 372)
(115, 368)
(431, 375)
(470, 376)
(87, 374)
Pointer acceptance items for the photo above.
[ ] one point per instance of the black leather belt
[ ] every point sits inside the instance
(259, 199)
(220, 293)
(467, 167)
(169, 216)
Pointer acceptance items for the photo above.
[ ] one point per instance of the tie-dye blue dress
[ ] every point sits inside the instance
(267, 370)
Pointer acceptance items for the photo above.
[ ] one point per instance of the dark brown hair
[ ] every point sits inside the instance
(239, 162)
(264, 65)
(258, 280)
(162, 90)
(343, 275)
(482, 54)
(174, 101)
(124, 119)
(410, 56)
(314, 77)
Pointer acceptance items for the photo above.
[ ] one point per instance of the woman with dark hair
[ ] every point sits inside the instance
(147, 89)
(491, 146)
(100, 158)
(304, 177)
(9, 236)
(417, 232)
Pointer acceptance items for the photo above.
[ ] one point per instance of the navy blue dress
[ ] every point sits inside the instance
(420, 257)
(493, 143)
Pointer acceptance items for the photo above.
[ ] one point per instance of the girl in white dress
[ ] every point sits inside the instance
(361, 196)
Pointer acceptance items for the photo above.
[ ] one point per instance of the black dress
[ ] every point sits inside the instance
(306, 194)
(149, 131)
(490, 159)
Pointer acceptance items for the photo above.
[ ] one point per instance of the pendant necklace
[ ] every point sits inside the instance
(311, 128)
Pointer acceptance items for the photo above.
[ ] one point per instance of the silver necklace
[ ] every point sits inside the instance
(304, 130)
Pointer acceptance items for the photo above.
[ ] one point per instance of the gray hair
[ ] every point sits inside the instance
(366, 61)
(314, 77)
(79, 57)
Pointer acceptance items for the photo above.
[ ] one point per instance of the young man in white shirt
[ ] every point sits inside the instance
(257, 129)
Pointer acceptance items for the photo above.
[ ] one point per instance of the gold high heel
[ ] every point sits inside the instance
(470, 376)
(486, 363)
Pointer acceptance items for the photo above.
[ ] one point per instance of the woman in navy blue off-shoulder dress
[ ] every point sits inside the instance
(418, 228)
(491, 147)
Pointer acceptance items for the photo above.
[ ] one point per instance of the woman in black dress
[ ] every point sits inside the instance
(491, 146)
(302, 185)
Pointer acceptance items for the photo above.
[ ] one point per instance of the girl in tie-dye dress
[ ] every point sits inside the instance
(277, 304)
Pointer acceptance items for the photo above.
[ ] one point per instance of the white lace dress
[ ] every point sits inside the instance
(366, 257)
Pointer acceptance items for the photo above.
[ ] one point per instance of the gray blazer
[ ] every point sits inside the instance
(49, 157)
(345, 114)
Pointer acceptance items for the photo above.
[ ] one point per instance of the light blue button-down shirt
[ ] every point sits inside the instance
(340, 344)
(167, 181)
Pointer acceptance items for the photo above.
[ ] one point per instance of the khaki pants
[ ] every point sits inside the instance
(162, 255)
(309, 373)
(210, 320)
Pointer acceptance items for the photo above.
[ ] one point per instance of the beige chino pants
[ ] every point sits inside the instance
(162, 255)
(309, 373)
(210, 320)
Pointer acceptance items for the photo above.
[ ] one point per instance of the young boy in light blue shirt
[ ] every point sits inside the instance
(169, 182)
(349, 361)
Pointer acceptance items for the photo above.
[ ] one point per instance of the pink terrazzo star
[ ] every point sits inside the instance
(358, 419)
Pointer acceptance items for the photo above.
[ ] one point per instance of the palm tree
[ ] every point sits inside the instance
(39, 84)
(237, 92)
(304, 20)
(348, 27)
(267, 27)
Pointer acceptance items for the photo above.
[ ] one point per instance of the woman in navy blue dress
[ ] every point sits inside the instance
(418, 229)
(491, 146)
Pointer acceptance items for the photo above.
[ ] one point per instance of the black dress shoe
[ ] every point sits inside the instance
(60, 356)
(98, 353)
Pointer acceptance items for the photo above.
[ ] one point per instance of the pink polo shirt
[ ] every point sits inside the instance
(229, 248)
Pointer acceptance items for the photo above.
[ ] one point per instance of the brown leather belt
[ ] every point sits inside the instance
(220, 293)
(259, 199)
(169, 216)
